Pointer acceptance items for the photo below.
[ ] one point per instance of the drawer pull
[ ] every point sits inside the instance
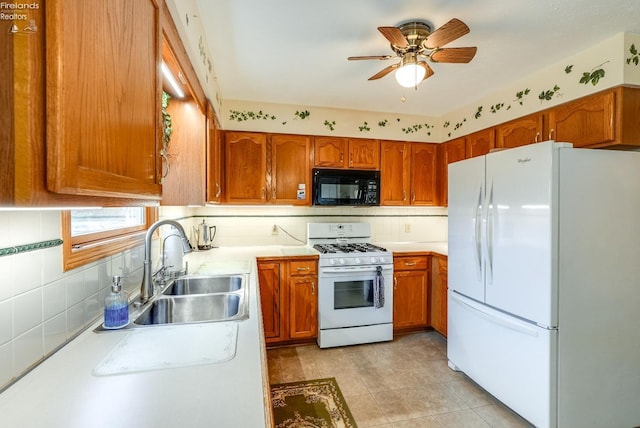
(409, 263)
(304, 268)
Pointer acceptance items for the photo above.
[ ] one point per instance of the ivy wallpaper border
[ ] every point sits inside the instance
(521, 98)
(9, 251)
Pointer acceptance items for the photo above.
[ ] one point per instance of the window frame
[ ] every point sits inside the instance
(84, 249)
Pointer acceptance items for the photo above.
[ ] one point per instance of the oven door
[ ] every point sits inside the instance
(345, 297)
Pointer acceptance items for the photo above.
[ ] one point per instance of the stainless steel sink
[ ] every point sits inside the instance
(205, 285)
(194, 309)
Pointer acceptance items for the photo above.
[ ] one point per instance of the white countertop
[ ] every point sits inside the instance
(63, 392)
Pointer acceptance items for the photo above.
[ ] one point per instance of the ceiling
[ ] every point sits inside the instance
(295, 51)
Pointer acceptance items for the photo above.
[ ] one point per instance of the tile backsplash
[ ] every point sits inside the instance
(254, 225)
(42, 307)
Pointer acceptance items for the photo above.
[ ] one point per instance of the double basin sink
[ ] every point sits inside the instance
(193, 299)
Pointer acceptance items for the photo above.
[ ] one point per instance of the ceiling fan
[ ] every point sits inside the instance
(414, 40)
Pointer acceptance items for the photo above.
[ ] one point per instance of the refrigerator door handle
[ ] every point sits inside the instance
(477, 232)
(490, 221)
(495, 317)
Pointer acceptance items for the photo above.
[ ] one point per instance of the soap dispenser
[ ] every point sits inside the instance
(116, 306)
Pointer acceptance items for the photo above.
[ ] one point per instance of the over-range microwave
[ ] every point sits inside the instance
(345, 187)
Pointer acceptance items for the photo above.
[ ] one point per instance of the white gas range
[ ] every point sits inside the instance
(355, 294)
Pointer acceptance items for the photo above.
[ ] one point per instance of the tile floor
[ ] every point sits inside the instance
(400, 384)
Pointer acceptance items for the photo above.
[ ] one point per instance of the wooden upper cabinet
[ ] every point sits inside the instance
(364, 154)
(245, 167)
(449, 152)
(103, 98)
(584, 122)
(356, 153)
(423, 174)
(185, 179)
(330, 152)
(214, 157)
(605, 119)
(395, 173)
(519, 132)
(480, 143)
(290, 170)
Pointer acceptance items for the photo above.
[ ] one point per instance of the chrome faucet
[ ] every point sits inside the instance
(146, 290)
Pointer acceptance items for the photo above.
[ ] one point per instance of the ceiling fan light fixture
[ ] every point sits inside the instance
(410, 74)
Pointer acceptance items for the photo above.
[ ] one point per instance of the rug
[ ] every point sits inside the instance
(310, 404)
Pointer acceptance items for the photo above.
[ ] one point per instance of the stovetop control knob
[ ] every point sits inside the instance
(357, 260)
(375, 260)
(332, 261)
(341, 261)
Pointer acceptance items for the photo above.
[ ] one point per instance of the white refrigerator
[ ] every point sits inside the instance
(544, 282)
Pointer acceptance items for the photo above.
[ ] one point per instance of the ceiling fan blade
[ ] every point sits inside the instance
(446, 34)
(384, 71)
(429, 70)
(395, 36)
(357, 58)
(457, 55)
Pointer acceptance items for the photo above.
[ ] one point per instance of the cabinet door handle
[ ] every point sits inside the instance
(395, 282)
(313, 287)
(219, 190)
(537, 136)
(167, 164)
(273, 194)
(551, 134)
(413, 196)
(264, 193)
(404, 195)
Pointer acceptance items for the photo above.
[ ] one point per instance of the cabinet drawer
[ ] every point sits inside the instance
(410, 263)
(303, 267)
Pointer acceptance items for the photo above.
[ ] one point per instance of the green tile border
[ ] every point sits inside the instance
(9, 251)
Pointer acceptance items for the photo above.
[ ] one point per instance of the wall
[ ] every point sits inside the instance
(42, 307)
(253, 225)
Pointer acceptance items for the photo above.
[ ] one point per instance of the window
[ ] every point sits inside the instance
(92, 234)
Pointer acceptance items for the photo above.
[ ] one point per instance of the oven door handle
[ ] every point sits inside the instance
(352, 269)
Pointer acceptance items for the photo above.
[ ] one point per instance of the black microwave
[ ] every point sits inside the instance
(345, 187)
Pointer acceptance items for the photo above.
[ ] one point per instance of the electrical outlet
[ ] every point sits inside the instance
(274, 230)
(407, 228)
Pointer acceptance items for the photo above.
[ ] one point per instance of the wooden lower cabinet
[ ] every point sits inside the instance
(438, 294)
(410, 292)
(289, 298)
(269, 273)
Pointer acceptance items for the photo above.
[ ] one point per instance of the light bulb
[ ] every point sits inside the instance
(410, 74)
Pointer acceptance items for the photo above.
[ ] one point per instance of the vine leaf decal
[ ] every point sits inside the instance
(594, 76)
(521, 94)
(302, 114)
(243, 116)
(331, 125)
(549, 93)
(634, 58)
(364, 127)
(568, 69)
(478, 112)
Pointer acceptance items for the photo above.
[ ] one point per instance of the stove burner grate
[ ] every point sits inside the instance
(348, 248)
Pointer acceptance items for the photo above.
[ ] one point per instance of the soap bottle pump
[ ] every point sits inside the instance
(116, 306)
